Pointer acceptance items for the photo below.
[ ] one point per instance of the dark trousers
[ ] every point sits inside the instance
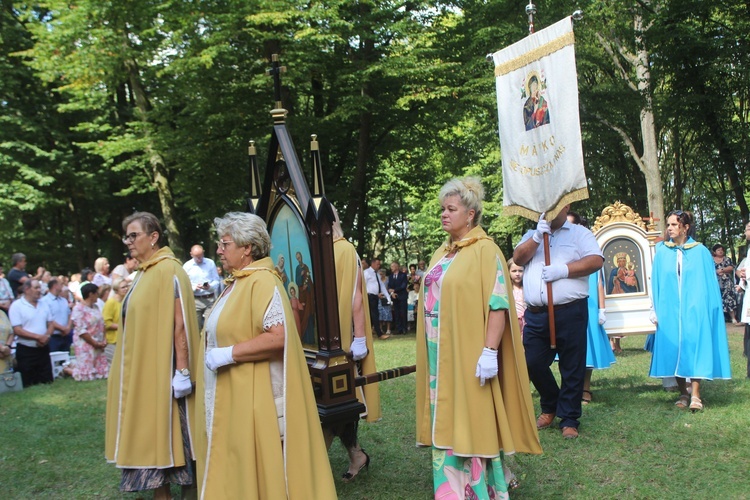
(570, 331)
(34, 365)
(746, 348)
(373, 300)
(399, 314)
(60, 342)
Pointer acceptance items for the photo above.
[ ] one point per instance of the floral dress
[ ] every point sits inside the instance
(726, 284)
(91, 363)
(458, 476)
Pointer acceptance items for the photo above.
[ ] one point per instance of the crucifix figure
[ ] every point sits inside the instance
(651, 222)
(275, 72)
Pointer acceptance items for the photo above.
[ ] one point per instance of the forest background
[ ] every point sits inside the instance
(110, 107)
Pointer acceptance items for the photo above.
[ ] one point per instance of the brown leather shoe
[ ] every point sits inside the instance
(569, 432)
(545, 420)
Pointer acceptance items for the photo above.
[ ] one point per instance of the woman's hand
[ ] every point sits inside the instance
(181, 385)
(218, 357)
(487, 365)
(359, 348)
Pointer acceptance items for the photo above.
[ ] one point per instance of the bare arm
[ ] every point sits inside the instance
(495, 328)
(601, 295)
(181, 351)
(358, 309)
(525, 251)
(584, 266)
(267, 345)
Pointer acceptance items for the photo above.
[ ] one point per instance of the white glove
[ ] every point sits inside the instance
(541, 227)
(487, 365)
(218, 357)
(181, 385)
(554, 272)
(652, 316)
(602, 317)
(359, 348)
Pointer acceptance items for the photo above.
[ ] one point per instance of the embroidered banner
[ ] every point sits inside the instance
(540, 133)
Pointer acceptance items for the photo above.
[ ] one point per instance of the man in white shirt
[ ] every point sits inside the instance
(372, 282)
(574, 254)
(32, 325)
(204, 280)
(59, 309)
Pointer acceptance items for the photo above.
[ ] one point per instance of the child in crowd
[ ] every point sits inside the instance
(516, 277)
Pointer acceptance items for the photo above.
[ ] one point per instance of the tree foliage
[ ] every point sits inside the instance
(109, 107)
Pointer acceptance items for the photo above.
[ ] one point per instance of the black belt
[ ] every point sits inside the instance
(542, 309)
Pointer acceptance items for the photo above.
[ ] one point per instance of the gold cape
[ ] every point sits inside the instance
(247, 458)
(470, 419)
(143, 422)
(347, 268)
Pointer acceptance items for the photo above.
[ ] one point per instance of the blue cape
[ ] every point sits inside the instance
(691, 337)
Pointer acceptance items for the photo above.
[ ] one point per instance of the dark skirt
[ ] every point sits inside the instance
(151, 479)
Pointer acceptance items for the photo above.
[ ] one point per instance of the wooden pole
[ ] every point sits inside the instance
(550, 303)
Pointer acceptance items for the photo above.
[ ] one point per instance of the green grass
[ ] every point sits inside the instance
(634, 443)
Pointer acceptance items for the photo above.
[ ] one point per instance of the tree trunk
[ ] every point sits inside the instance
(649, 164)
(159, 179)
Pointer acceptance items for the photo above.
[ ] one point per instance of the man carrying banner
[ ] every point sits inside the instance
(574, 254)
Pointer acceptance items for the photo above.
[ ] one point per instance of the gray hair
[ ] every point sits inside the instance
(99, 264)
(245, 229)
(16, 258)
(469, 190)
(148, 221)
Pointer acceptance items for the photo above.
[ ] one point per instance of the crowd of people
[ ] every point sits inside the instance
(208, 383)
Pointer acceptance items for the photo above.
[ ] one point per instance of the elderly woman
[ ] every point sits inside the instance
(725, 274)
(88, 337)
(112, 315)
(150, 407)
(691, 337)
(260, 431)
(470, 412)
(102, 276)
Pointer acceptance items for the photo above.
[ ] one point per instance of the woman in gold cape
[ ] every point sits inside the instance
(148, 430)
(260, 431)
(467, 414)
(354, 314)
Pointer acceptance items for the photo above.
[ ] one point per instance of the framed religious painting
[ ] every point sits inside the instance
(623, 267)
(290, 251)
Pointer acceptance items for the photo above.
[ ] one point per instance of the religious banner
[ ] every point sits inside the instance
(540, 134)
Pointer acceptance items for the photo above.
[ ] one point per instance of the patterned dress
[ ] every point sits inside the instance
(91, 363)
(458, 476)
(726, 284)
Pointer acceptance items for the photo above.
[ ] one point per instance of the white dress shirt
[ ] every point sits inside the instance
(372, 281)
(205, 272)
(568, 244)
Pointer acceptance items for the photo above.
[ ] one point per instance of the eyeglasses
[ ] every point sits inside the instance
(223, 244)
(129, 238)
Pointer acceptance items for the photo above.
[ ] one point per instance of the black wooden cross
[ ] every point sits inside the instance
(275, 73)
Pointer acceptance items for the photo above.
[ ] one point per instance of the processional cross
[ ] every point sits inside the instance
(275, 73)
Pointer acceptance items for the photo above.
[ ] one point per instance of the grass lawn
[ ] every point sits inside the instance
(634, 443)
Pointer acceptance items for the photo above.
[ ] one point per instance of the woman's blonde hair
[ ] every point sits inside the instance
(99, 264)
(469, 190)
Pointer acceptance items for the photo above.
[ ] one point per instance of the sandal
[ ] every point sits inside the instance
(683, 401)
(348, 476)
(696, 404)
(586, 400)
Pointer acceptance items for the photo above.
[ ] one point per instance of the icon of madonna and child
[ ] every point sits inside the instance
(536, 107)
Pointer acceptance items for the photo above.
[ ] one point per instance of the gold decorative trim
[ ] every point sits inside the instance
(535, 54)
(577, 195)
(620, 212)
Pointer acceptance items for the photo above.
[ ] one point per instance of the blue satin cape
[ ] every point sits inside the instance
(691, 337)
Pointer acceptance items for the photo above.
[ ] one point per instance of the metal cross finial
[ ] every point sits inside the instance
(275, 73)
(530, 11)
